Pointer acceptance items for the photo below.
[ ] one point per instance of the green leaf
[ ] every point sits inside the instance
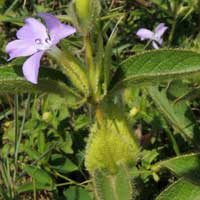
(181, 190)
(177, 89)
(148, 157)
(108, 55)
(39, 175)
(33, 154)
(65, 144)
(62, 164)
(50, 81)
(82, 121)
(28, 187)
(178, 114)
(156, 66)
(14, 20)
(113, 186)
(78, 193)
(187, 166)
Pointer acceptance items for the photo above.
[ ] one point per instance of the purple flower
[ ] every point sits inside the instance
(155, 37)
(33, 39)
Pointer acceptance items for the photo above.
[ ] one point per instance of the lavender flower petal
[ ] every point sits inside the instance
(145, 34)
(51, 21)
(57, 30)
(160, 30)
(32, 30)
(160, 26)
(18, 48)
(64, 31)
(155, 46)
(160, 41)
(31, 67)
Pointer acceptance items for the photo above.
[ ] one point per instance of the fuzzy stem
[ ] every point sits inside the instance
(171, 36)
(100, 117)
(174, 23)
(90, 62)
(34, 190)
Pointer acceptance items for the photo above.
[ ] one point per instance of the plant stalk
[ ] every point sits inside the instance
(90, 62)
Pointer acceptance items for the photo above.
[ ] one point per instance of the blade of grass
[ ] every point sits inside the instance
(16, 104)
(11, 7)
(21, 128)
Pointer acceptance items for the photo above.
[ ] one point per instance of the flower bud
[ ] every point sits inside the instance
(110, 146)
(107, 149)
(47, 116)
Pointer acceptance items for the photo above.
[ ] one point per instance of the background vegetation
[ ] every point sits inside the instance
(43, 138)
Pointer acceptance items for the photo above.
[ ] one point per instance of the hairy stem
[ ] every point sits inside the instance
(90, 62)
